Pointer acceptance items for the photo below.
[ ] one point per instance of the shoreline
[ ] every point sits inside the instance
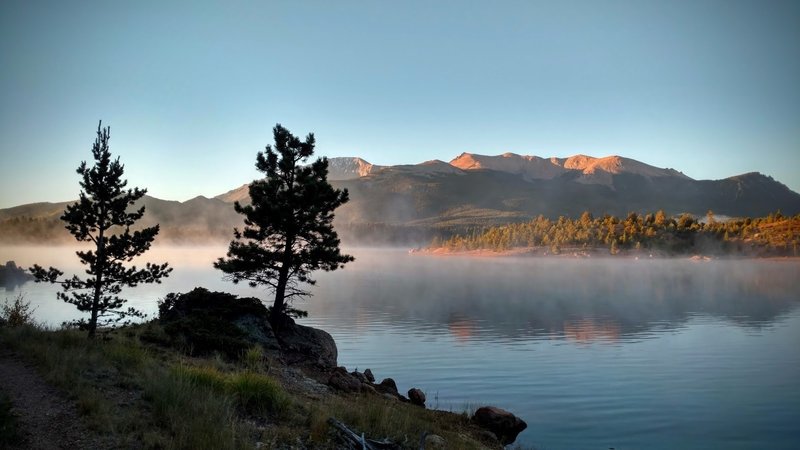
(589, 253)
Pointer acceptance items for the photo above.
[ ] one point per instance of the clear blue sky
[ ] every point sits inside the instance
(192, 89)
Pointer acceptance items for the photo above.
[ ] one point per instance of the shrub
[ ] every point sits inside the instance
(18, 312)
(205, 322)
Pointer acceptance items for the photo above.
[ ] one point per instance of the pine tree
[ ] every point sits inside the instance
(102, 209)
(288, 230)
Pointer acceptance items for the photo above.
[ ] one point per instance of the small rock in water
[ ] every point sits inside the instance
(417, 397)
(369, 375)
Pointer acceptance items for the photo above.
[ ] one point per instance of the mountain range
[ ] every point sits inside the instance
(470, 191)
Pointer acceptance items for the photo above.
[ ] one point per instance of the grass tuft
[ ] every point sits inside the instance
(196, 418)
(255, 393)
(254, 358)
(258, 393)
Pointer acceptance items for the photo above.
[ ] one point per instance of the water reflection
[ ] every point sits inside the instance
(509, 299)
(501, 299)
(590, 330)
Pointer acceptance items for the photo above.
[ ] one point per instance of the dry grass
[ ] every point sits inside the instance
(147, 396)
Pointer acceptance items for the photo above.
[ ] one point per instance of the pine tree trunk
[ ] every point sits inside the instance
(99, 267)
(278, 306)
(278, 316)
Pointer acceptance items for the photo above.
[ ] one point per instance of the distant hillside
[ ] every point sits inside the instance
(413, 202)
(484, 197)
(197, 220)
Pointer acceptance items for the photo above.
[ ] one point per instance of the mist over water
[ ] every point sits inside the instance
(592, 353)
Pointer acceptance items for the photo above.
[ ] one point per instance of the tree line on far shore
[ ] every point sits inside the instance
(774, 234)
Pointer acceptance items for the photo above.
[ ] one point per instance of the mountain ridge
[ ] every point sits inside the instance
(439, 197)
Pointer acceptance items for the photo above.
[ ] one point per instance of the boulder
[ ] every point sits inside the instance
(417, 397)
(344, 382)
(503, 424)
(205, 322)
(258, 330)
(306, 345)
(368, 389)
(361, 377)
(387, 386)
(369, 375)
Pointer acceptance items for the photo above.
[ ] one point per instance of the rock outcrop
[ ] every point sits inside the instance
(11, 275)
(306, 345)
(204, 322)
(208, 322)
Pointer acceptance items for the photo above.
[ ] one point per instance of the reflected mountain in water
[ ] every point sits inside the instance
(552, 298)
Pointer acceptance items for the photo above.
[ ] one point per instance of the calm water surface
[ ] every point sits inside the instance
(592, 353)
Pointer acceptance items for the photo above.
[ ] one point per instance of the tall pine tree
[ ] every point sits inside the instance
(288, 229)
(103, 208)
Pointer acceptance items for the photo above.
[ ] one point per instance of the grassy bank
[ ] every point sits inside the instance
(148, 396)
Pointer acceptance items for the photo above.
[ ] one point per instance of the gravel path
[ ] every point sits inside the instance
(47, 420)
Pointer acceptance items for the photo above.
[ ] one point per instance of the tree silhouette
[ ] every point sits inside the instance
(103, 208)
(288, 229)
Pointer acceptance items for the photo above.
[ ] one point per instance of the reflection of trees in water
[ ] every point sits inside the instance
(590, 330)
(539, 298)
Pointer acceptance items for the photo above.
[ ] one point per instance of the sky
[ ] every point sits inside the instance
(192, 89)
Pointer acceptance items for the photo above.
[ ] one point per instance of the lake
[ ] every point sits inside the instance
(592, 353)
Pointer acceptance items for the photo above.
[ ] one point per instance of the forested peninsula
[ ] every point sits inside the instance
(648, 234)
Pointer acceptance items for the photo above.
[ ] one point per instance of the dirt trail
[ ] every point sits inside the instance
(47, 420)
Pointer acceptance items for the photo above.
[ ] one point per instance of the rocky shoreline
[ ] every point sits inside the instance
(305, 358)
(314, 353)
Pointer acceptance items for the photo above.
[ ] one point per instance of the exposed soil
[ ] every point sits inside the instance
(46, 418)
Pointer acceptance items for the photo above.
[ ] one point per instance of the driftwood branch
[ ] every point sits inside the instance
(357, 442)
